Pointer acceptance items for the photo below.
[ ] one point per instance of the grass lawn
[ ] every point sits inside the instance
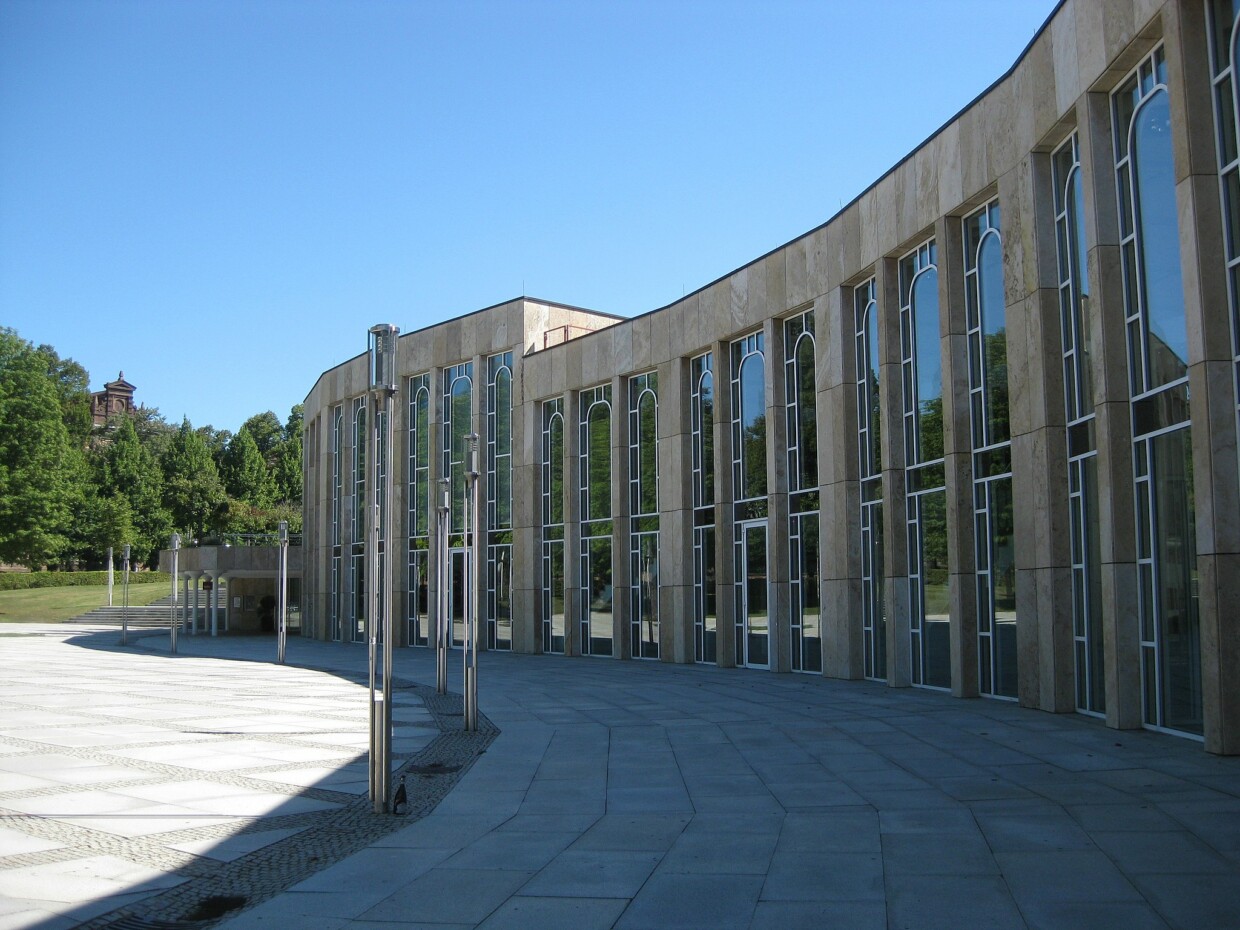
(52, 605)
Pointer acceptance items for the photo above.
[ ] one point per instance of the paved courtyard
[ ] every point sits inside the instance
(631, 795)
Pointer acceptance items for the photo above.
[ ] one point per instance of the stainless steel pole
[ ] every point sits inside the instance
(282, 593)
(125, 600)
(372, 592)
(443, 623)
(470, 658)
(386, 605)
(176, 553)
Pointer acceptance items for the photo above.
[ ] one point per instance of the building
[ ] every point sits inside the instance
(976, 432)
(116, 397)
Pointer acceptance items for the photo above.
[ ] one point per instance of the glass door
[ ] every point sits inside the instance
(754, 626)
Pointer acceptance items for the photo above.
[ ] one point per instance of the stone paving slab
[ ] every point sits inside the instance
(642, 795)
(140, 806)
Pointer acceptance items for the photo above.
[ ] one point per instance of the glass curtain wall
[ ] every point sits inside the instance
(869, 451)
(994, 546)
(337, 507)
(1158, 376)
(499, 501)
(644, 515)
(596, 522)
(925, 477)
(553, 626)
(458, 408)
(702, 425)
(753, 633)
(801, 410)
(418, 475)
(357, 548)
(1075, 322)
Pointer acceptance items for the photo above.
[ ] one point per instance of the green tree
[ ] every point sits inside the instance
(245, 472)
(193, 493)
(39, 477)
(266, 431)
(72, 383)
(128, 469)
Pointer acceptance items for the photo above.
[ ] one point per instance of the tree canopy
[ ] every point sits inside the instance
(69, 490)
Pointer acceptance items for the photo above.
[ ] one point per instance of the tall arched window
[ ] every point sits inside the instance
(1158, 372)
(752, 581)
(644, 516)
(597, 610)
(554, 632)
(800, 394)
(702, 424)
(498, 531)
(869, 449)
(928, 567)
(993, 540)
(419, 491)
(1074, 311)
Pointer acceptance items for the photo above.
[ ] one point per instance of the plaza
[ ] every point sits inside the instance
(135, 785)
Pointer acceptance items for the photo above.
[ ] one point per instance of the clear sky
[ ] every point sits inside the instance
(221, 197)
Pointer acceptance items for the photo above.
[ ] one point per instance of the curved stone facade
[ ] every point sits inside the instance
(943, 440)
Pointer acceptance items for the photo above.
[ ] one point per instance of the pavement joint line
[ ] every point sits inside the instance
(319, 838)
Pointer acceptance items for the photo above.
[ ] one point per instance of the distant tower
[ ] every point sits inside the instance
(116, 397)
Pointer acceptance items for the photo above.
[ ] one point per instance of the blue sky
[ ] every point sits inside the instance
(221, 197)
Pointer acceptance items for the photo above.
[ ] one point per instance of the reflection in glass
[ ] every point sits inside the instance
(994, 337)
(1159, 242)
(599, 594)
(1175, 540)
(598, 462)
(936, 663)
(555, 463)
(645, 606)
(755, 619)
(753, 428)
(807, 595)
(461, 426)
(556, 627)
(928, 365)
(704, 577)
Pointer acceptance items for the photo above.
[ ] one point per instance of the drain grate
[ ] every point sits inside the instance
(216, 906)
(434, 768)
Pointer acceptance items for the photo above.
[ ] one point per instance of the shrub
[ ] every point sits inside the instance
(18, 581)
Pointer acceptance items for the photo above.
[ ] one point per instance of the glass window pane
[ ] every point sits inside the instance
(928, 365)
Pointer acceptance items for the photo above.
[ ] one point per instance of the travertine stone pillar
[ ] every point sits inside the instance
(1211, 375)
(839, 528)
(895, 503)
(526, 517)
(725, 494)
(958, 455)
(675, 514)
(1039, 446)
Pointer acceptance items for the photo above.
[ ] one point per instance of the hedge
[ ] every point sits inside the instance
(18, 581)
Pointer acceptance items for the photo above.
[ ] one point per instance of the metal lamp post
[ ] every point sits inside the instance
(125, 598)
(443, 575)
(176, 555)
(282, 593)
(474, 587)
(382, 353)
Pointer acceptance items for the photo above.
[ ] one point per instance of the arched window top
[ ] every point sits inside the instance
(646, 477)
(927, 362)
(598, 461)
(806, 471)
(752, 426)
(1157, 228)
(503, 411)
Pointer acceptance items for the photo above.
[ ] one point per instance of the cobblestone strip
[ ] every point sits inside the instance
(332, 836)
